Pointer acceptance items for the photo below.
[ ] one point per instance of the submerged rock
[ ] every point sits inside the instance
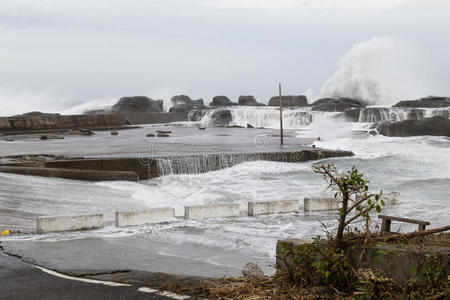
(334, 105)
(252, 270)
(288, 101)
(352, 114)
(249, 101)
(425, 102)
(436, 126)
(221, 101)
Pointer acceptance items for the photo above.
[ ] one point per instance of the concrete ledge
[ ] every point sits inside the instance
(89, 175)
(211, 211)
(272, 207)
(69, 223)
(154, 215)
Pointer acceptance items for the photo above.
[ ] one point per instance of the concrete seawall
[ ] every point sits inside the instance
(69, 223)
(272, 207)
(146, 168)
(18, 125)
(88, 175)
(211, 211)
(154, 215)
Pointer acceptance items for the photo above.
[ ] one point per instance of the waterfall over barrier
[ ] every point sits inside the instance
(212, 162)
(268, 117)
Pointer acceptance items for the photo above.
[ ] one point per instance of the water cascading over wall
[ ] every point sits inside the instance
(266, 117)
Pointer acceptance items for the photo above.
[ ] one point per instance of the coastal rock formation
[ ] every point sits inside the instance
(333, 105)
(430, 101)
(248, 101)
(437, 126)
(221, 101)
(221, 118)
(130, 105)
(136, 104)
(288, 101)
(183, 103)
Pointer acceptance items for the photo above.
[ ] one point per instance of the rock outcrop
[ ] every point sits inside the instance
(248, 101)
(437, 126)
(288, 101)
(136, 104)
(183, 103)
(222, 101)
(252, 270)
(336, 105)
(430, 101)
(36, 113)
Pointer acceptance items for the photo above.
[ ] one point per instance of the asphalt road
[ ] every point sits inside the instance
(19, 280)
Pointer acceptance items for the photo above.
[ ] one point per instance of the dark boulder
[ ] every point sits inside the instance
(181, 99)
(221, 101)
(430, 101)
(374, 114)
(436, 126)
(136, 104)
(221, 118)
(248, 101)
(334, 105)
(181, 108)
(182, 103)
(288, 101)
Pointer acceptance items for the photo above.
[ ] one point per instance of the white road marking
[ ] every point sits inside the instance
(173, 295)
(147, 290)
(108, 283)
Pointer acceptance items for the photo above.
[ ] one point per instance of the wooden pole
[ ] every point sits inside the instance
(281, 116)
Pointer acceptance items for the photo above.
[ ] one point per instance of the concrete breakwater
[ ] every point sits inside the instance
(147, 168)
(43, 123)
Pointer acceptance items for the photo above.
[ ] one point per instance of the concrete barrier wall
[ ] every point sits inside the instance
(328, 204)
(272, 207)
(154, 215)
(69, 223)
(211, 211)
(88, 175)
(320, 204)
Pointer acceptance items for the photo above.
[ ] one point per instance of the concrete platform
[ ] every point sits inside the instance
(211, 211)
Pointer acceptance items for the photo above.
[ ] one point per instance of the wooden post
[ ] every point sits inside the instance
(281, 117)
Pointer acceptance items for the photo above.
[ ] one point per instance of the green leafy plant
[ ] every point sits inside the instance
(356, 201)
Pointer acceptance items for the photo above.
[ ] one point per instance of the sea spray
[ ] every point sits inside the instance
(381, 71)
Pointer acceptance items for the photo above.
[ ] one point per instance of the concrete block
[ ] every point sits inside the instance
(320, 204)
(272, 207)
(211, 211)
(154, 215)
(69, 223)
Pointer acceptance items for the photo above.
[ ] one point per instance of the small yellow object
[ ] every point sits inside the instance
(5, 232)
(327, 274)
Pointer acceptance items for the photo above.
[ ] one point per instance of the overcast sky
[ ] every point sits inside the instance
(57, 53)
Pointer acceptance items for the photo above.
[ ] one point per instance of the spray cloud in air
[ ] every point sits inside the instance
(381, 71)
